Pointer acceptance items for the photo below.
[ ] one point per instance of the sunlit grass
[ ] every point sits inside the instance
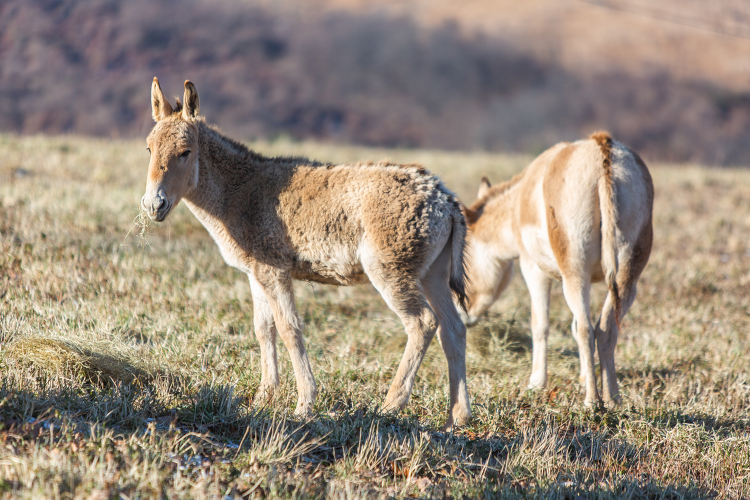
(75, 269)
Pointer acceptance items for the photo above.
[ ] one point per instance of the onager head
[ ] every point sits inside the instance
(173, 144)
(487, 268)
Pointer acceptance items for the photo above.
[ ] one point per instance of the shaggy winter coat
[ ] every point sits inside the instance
(279, 219)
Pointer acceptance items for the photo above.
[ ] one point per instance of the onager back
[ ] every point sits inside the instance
(580, 213)
(279, 219)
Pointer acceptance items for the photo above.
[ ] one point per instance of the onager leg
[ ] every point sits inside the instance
(633, 261)
(606, 341)
(404, 296)
(538, 284)
(577, 291)
(265, 332)
(607, 333)
(277, 288)
(451, 334)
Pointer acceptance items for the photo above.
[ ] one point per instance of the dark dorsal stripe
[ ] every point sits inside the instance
(604, 141)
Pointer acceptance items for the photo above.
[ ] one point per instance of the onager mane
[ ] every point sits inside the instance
(473, 212)
(387, 163)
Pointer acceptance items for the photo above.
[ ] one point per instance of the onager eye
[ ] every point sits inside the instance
(185, 155)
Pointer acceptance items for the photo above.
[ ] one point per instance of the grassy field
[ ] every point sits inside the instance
(173, 419)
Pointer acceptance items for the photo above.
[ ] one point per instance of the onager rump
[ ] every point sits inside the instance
(580, 213)
(278, 219)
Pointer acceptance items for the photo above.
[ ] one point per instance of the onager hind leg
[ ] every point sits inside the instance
(539, 285)
(265, 332)
(451, 334)
(577, 293)
(277, 287)
(606, 340)
(405, 297)
(607, 330)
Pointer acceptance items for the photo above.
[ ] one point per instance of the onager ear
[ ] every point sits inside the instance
(484, 186)
(470, 215)
(192, 105)
(160, 107)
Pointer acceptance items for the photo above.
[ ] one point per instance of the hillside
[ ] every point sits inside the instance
(498, 76)
(680, 37)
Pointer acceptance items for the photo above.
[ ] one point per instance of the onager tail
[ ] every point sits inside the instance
(608, 208)
(457, 279)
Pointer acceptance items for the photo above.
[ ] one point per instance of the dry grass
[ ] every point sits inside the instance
(173, 310)
(99, 363)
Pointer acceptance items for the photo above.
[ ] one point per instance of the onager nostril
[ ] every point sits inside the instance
(157, 204)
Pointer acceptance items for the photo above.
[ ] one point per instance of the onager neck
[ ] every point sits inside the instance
(491, 217)
(222, 161)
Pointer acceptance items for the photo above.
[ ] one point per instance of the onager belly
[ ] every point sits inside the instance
(344, 275)
(537, 246)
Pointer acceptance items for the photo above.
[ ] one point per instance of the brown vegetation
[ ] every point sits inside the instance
(502, 77)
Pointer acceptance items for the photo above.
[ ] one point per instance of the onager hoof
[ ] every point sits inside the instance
(593, 405)
(303, 411)
(394, 404)
(448, 426)
(537, 382)
(460, 418)
(452, 424)
(613, 402)
(264, 395)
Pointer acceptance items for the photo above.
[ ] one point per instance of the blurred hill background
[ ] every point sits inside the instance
(471, 74)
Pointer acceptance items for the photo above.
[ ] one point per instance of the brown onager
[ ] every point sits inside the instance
(278, 219)
(580, 213)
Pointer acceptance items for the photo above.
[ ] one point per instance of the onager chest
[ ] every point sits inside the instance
(229, 248)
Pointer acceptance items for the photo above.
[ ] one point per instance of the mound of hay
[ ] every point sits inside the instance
(101, 363)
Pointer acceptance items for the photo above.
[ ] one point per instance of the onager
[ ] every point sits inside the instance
(278, 219)
(579, 213)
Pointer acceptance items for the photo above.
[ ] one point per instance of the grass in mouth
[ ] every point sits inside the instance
(141, 224)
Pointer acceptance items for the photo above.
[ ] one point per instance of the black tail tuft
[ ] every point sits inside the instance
(459, 289)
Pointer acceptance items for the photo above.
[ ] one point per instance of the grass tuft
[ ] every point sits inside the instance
(99, 363)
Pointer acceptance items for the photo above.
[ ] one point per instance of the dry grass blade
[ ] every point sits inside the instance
(279, 442)
(141, 223)
(374, 453)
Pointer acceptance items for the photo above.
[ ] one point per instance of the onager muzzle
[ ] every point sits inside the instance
(155, 206)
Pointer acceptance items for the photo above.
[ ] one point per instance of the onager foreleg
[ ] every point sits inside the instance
(265, 332)
(277, 288)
